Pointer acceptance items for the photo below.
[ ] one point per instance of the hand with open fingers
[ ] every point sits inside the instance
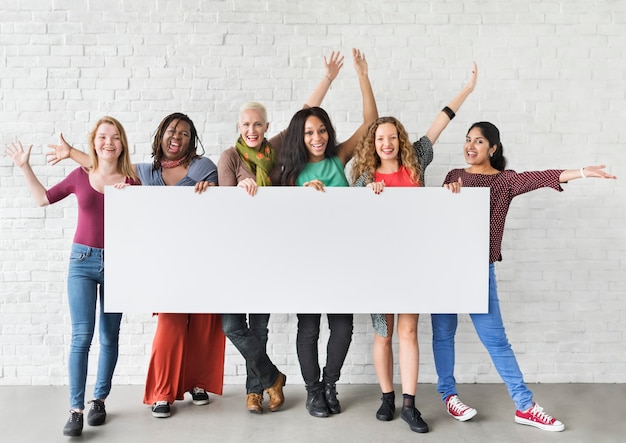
(377, 186)
(597, 172)
(249, 184)
(317, 184)
(17, 153)
(360, 64)
(58, 152)
(333, 65)
(454, 187)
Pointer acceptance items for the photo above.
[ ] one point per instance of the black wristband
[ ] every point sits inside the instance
(449, 112)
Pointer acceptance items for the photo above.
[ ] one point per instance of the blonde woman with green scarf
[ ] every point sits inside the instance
(251, 163)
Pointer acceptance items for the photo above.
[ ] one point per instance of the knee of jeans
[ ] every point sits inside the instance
(81, 341)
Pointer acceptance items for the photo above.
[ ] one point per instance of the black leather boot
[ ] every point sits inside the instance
(330, 395)
(315, 402)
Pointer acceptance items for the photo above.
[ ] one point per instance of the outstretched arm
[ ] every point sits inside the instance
(585, 172)
(370, 111)
(21, 159)
(333, 66)
(444, 116)
(63, 150)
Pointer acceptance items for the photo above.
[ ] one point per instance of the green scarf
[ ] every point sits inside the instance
(259, 162)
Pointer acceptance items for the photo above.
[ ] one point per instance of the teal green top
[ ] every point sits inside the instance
(329, 171)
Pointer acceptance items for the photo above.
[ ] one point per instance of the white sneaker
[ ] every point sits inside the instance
(458, 409)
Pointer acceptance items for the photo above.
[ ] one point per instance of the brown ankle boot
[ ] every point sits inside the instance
(254, 403)
(275, 392)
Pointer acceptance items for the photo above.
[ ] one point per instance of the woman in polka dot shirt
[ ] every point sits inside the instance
(484, 155)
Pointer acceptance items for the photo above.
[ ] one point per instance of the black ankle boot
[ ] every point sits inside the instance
(315, 402)
(330, 395)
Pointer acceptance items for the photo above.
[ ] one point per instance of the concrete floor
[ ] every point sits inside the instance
(591, 413)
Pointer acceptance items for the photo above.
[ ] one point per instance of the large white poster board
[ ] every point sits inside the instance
(296, 250)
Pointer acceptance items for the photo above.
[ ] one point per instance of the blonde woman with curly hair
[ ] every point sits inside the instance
(386, 157)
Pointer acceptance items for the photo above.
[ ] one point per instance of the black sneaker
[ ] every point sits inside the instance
(330, 396)
(387, 409)
(161, 409)
(74, 426)
(199, 396)
(414, 418)
(97, 414)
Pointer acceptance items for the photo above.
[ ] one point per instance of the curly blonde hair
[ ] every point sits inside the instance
(366, 159)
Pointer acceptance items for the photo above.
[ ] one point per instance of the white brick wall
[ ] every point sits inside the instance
(552, 77)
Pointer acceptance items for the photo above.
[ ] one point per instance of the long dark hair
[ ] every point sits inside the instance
(294, 155)
(492, 134)
(192, 151)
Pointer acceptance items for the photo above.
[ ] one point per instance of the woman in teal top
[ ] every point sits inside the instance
(312, 157)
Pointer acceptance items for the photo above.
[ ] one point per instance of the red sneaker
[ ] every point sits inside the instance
(535, 416)
(458, 409)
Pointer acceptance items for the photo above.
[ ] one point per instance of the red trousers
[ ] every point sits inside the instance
(187, 352)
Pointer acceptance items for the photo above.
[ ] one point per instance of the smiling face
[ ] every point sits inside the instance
(386, 142)
(176, 139)
(252, 127)
(107, 142)
(315, 138)
(477, 149)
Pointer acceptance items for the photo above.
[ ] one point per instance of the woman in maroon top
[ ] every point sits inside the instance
(109, 155)
(483, 154)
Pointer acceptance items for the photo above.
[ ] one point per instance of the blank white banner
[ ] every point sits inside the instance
(296, 250)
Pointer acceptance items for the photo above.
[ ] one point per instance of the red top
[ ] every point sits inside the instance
(400, 178)
(90, 227)
(504, 186)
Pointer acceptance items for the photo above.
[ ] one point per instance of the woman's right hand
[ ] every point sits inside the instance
(58, 152)
(249, 184)
(377, 186)
(17, 153)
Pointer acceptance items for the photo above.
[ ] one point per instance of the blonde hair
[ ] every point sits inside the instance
(366, 159)
(124, 164)
(254, 106)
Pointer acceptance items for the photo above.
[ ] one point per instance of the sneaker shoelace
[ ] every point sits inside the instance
(456, 405)
(537, 412)
(75, 416)
(97, 405)
(197, 390)
(160, 403)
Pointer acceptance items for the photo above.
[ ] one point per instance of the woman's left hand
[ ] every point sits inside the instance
(202, 186)
(317, 184)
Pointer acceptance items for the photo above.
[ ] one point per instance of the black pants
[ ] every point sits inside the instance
(340, 326)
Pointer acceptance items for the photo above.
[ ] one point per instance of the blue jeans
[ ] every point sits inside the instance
(251, 343)
(491, 332)
(86, 273)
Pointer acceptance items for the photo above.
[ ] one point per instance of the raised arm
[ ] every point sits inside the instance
(585, 172)
(446, 114)
(63, 150)
(370, 111)
(21, 159)
(332, 68)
